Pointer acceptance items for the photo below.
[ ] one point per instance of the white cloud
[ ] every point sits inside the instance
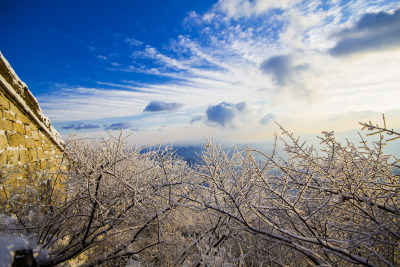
(101, 57)
(246, 8)
(230, 61)
(133, 42)
(267, 119)
(374, 31)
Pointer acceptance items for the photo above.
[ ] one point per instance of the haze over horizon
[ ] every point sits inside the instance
(179, 71)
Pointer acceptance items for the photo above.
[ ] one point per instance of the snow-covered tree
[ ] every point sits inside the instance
(337, 204)
(330, 206)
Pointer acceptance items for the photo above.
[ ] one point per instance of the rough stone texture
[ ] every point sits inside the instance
(20, 87)
(3, 141)
(5, 125)
(28, 143)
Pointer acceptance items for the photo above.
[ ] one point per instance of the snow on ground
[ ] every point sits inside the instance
(10, 243)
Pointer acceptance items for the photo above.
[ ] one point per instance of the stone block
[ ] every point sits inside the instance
(40, 153)
(14, 108)
(24, 119)
(45, 146)
(4, 102)
(33, 155)
(12, 157)
(27, 129)
(6, 125)
(9, 115)
(34, 134)
(42, 137)
(34, 127)
(3, 141)
(37, 143)
(23, 156)
(3, 157)
(50, 148)
(29, 142)
(43, 164)
(19, 127)
(15, 139)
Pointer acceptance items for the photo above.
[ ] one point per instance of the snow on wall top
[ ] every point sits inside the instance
(21, 94)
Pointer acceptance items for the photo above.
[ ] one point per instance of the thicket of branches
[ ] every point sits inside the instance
(337, 205)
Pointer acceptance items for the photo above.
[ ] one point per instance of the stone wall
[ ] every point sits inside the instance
(29, 145)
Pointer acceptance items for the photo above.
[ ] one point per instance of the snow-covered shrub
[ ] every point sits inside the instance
(335, 205)
(114, 204)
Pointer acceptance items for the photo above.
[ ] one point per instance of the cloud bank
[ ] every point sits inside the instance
(224, 113)
(374, 31)
(282, 69)
(267, 119)
(80, 126)
(289, 75)
(117, 126)
(156, 106)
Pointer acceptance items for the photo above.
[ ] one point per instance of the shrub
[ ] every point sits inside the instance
(336, 205)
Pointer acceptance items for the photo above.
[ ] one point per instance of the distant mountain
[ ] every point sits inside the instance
(190, 154)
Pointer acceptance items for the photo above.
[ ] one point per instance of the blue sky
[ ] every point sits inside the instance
(180, 71)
